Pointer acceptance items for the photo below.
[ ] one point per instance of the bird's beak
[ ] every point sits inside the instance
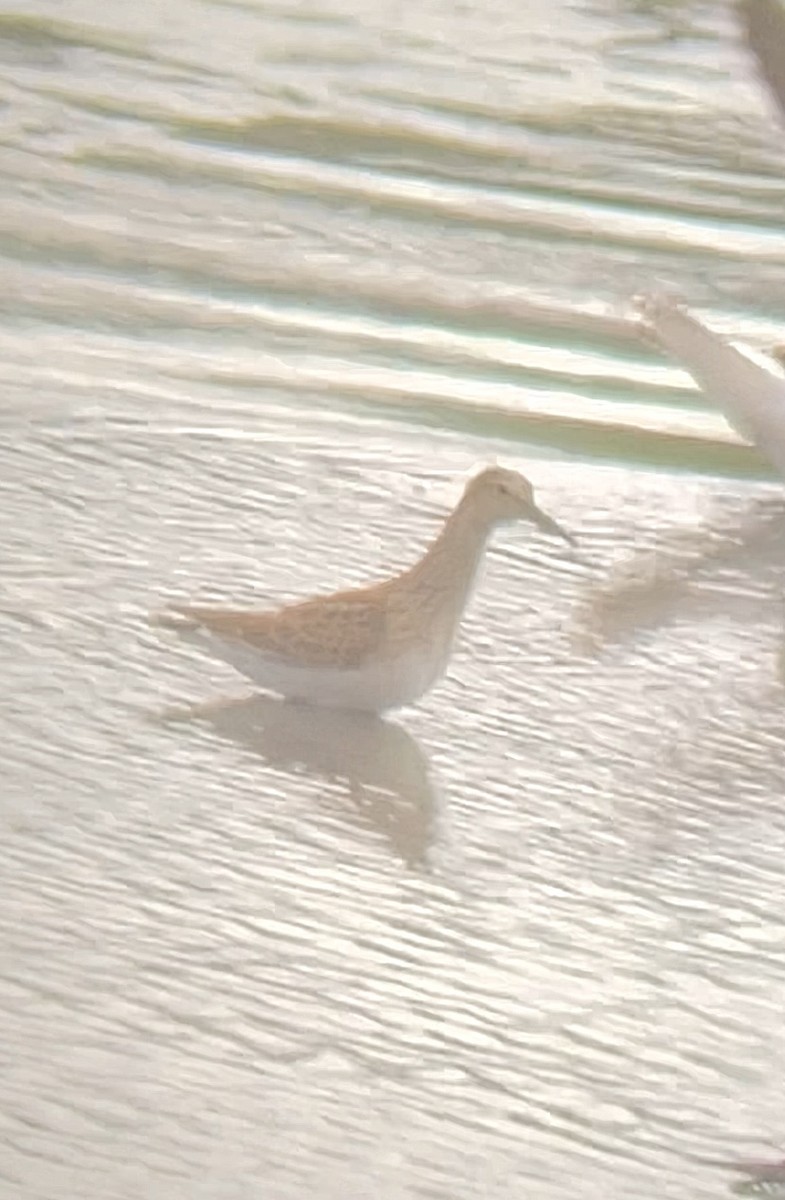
(548, 525)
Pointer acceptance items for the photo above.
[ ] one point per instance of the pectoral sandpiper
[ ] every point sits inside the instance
(377, 647)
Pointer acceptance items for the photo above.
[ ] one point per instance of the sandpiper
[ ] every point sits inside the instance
(378, 647)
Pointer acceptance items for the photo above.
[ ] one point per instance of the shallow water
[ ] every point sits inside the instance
(271, 273)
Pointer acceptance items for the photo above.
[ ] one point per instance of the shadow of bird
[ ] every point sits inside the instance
(374, 763)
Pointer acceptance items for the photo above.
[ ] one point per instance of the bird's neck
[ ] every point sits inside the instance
(446, 572)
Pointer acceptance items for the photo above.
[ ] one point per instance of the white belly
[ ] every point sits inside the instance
(373, 687)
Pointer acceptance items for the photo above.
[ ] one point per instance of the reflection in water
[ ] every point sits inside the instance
(759, 1187)
(763, 1179)
(378, 764)
(646, 591)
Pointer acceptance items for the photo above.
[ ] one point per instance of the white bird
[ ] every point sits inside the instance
(751, 397)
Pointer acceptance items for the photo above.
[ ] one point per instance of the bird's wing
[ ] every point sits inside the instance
(751, 397)
(332, 631)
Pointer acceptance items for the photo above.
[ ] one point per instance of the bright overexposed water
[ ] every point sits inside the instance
(271, 273)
